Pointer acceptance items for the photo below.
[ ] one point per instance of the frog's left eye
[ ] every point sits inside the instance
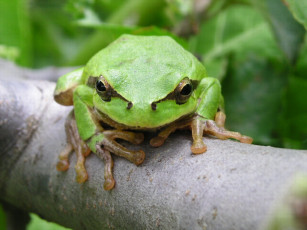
(183, 91)
(103, 89)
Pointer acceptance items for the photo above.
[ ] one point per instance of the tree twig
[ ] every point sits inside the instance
(231, 186)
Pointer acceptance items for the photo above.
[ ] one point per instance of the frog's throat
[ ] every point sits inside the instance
(107, 120)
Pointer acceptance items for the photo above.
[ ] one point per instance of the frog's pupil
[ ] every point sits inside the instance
(186, 90)
(100, 86)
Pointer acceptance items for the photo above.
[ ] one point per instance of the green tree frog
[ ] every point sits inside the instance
(138, 83)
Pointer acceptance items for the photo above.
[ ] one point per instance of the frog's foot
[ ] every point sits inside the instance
(82, 151)
(109, 143)
(63, 163)
(198, 145)
(105, 155)
(215, 128)
(198, 126)
(163, 135)
(221, 133)
(78, 145)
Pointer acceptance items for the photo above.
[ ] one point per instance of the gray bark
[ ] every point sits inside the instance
(231, 186)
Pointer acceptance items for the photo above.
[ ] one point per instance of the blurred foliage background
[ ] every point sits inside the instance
(256, 48)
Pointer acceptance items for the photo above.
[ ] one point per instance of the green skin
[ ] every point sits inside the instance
(138, 83)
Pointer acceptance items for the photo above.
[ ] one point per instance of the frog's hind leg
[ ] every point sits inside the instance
(74, 143)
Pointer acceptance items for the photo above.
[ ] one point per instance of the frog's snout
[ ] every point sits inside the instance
(153, 105)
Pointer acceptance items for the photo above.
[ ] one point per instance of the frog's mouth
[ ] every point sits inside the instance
(110, 122)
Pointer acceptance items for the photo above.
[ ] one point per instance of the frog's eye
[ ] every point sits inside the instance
(183, 91)
(103, 89)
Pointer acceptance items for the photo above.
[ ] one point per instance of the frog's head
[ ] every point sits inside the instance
(144, 81)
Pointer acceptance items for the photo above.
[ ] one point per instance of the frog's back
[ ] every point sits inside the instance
(144, 61)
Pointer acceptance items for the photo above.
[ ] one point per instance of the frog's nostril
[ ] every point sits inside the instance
(153, 106)
(129, 106)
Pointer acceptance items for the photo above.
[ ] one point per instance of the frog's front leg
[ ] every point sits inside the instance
(104, 142)
(85, 133)
(107, 140)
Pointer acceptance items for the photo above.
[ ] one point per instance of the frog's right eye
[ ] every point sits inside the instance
(103, 89)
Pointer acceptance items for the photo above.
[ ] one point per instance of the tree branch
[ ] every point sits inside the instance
(231, 186)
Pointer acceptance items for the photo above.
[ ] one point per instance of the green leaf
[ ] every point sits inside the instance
(299, 10)
(15, 29)
(253, 90)
(289, 33)
(2, 219)
(9, 52)
(238, 29)
(137, 12)
(294, 122)
(301, 64)
(37, 223)
(217, 67)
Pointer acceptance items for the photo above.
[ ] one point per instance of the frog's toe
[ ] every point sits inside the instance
(198, 147)
(246, 139)
(220, 118)
(109, 184)
(81, 176)
(139, 157)
(212, 128)
(62, 165)
(105, 155)
(157, 141)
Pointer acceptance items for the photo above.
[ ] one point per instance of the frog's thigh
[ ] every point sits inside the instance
(210, 98)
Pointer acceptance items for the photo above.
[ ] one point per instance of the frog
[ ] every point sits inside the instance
(134, 85)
